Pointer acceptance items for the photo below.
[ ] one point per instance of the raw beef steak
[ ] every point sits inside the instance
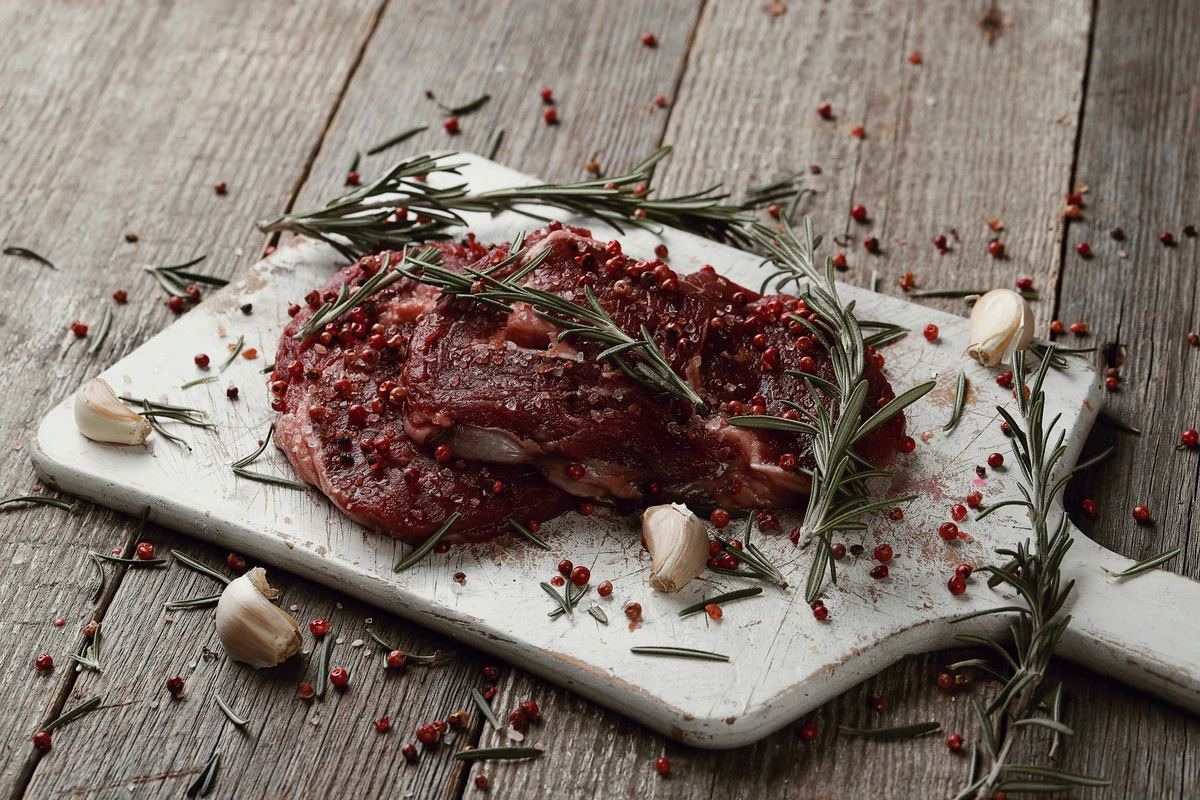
(500, 387)
(341, 424)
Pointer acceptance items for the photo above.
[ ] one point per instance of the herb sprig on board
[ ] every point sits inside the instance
(839, 495)
(1033, 571)
(399, 208)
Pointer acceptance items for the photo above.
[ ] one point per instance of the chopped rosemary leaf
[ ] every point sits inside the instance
(229, 712)
(466, 108)
(428, 545)
(721, 598)
(39, 500)
(286, 483)
(246, 461)
(25, 252)
(195, 602)
(440, 657)
(99, 565)
(563, 606)
(1094, 460)
(874, 280)
(354, 162)
(198, 381)
(393, 141)
(493, 144)
(1148, 564)
(486, 709)
(236, 350)
(968, 293)
(74, 714)
(174, 279)
(131, 562)
(901, 732)
(527, 534)
(497, 753)
(598, 613)
(101, 331)
(679, 652)
(191, 563)
(203, 783)
(323, 666)
(960, 399)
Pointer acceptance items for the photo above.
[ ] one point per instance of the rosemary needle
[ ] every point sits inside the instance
(486, 709)
(74, 714)
(428, 545)
(191, 563)
(527, 534)
(466, 108)
(25, 252)
(493, 144)
(198, 381)
(1148, 564)
(679, 652)
(203, 783)
(386, 143)
(960, 399)
(39, 500)
(323, 666)
(563, 606)
(598, 613)
(497, 753)
(131, 562)
(236, 350)
(100, 572)
(229, 712)
(195, 602)
(900, 732)
(101, 331)
(721, 598)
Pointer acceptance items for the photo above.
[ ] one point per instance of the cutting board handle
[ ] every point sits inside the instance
(1143, 630)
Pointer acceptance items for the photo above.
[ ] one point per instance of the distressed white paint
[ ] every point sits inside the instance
(784, 663)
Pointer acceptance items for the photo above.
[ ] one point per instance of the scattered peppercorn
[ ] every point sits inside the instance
(339, 676)
(839, 260)
(353, 179)
(120, 296)
(41, 741)
(131, 237)
(1078, 328)
(232, 393)
(319, 626)
(79, 329)
(1141, 513)
(144, 550)
(820, 612)
(1117, 234)
(948, 531)
(996, 460)
(1190, 437)
(956, 585)
(306, 691)
(871, 244)
(1072, 211)
(883, 553)
(1193, 339)
(931, 332)
(175, 304)
(451, 125)
(580, 576)
(409, 752)
(859, 212)
(954, 742)
(858, 131)
(945, 681)
(662, 766)
(1056, 326)
(996, 248)
(550, 115)
(604, 589)
(383, 724)
(809, 732)
(1189, 231)
(719, 517)
(175, 686)
(649, 40)
(220, 187)
(660, 100)
(838, 551)
(633, 611)
(481, 781)
(825, 110)
(964, 571)
(1088, 506)
(43, 662)
(1084, 250)
(880, 572)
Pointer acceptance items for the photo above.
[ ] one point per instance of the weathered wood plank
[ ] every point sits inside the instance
(1136, 158)
(116, 118)
(415, 46)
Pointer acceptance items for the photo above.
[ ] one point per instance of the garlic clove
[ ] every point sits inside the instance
(678, 543)
(1001, 324)
(251, 629)
(102, 417)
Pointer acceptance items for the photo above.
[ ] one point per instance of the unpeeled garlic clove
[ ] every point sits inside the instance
(678, 543)
(102, 417)
(1001, 324)
(251, 629)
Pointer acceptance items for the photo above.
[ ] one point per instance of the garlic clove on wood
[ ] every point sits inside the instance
(678, 543)
(102, 417)
(1001, 324)
(251, 628)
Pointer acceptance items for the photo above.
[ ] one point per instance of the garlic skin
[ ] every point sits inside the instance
(251, 629)
(102, 417)
(678, 542)
(1001, 324)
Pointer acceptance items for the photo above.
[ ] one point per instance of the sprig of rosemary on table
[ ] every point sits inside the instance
(839, 496)
(239, 467)
(397, 210)
(174, 278)
(1034, 572)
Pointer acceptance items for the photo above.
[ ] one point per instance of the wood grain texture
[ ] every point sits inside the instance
(597, 59)
(1142, 97)
(980, 129)
(116, 118)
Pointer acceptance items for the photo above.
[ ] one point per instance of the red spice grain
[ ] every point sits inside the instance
(41, 741)
(1088, 506)
(120, 296)
(956, 585)
(1141, 513)
(175, 686)
(809, 732)
(1084, 250)
(996, 248)
(338, 676)
(915, 58)
(649, 40)
(931, 332)
(858, 131)
(43, 662)
(144, 550)
(220, 187)
(825, 111)
(662, 766)
(883, 553)
(481, 781)
(451, 125)
(954, 742)
(550, 116)
(79, 329)
(948, 531)
(604, 589)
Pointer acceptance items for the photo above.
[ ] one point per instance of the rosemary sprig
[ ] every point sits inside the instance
(524, 532)
(639, 358)
(1034, 573)
(90, 657)
(101, 330)
(493, 144)
(323, 666)
(428, 545)
(75, 713)
(174, 279)
(753, 559)
(25, 252)
(839, 496)
(237, 349)
(203, 783)
(899, 732)
(679, 652)
(160, 430)
(466, 108)
(960, 399)
(39, 500)
(365, 220)
(497, 753)
(564, 606)
(1148, 564)
(403, 136)
(198, 381)
(887, 333)
(721, 598)
(486, 709)
(203, 569)
(229, 712)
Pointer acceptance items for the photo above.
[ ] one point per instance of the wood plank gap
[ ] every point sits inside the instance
(306, 170)
(67, 684)
(1083, 93)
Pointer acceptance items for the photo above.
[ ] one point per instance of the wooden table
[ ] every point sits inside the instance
(119, 117)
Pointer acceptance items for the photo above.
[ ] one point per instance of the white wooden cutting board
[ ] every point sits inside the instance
(783, 662)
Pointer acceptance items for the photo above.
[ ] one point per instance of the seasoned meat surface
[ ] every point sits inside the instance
(341, 422)
(500, 387)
